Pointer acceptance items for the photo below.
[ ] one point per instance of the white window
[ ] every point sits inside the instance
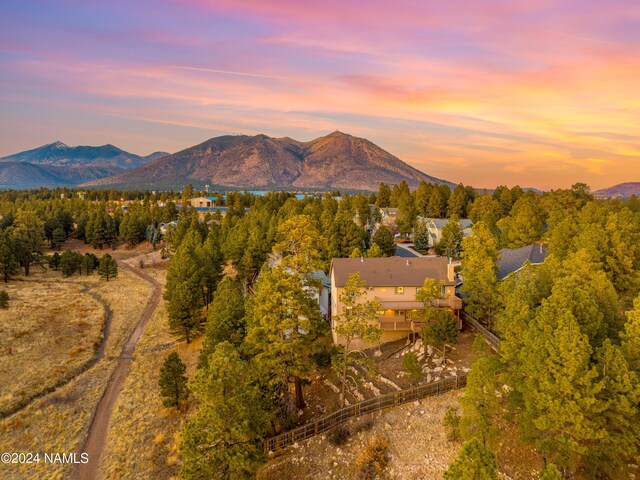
(399, 290)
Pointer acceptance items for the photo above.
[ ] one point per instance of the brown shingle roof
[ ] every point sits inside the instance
(391, 271)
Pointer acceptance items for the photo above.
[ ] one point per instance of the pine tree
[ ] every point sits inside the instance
(480, 403)
(8, 264)
(383, 237)
(57, 238)
(407, 214)
(89, 263)
(54, 261)
(173, 382)
(559, 388)
(384, 196)
(108, 267)
(283, 331)
(421, 236)
(225, 319)
(356, 322)
(457, 204)
(620, 421)
(450, 243)
(183, 290)
(185, 312)
(524, 225)
(209, 257)
(300, 244)
(224, 438)
(474, 462)
(442, 332)
(27, 239)
(70, 263)
(479, 269)
(486, 209)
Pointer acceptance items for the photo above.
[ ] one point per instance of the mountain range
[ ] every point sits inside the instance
(335, 161)
(622, 190)
(57, 164)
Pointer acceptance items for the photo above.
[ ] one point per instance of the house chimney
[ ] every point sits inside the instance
(451, 274)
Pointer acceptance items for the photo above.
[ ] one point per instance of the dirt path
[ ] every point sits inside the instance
(94, 444)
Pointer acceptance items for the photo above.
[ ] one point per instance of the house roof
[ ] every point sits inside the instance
(512, 260)
(440, 223)
(391, 271)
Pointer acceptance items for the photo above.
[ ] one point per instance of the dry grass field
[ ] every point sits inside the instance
(48, 335)
(139, 422)
(58, 422)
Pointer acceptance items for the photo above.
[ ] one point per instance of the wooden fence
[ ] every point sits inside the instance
(476, 326)
(368, 406)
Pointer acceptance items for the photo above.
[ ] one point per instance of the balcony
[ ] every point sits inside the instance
(454, 303)
(399, 324)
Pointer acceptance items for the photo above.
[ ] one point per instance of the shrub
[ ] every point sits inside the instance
(412, 366)
(339, 434)
(451, 424)
(374, 458)
(4, 299)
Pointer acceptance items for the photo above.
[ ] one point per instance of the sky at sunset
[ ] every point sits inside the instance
(539, 93)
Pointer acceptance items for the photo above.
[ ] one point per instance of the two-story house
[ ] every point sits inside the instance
(394, 283)
(436, 225)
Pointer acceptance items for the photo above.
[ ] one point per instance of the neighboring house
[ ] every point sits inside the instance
(203, 202)
(394, 282)
(165, 226)
(321, 294)
(388, 216)
(512, 260)
(324, 292)
(436, 225)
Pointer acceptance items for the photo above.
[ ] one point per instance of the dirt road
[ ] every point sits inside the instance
(94, 444)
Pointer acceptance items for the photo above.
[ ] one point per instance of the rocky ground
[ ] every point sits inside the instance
(418, 448)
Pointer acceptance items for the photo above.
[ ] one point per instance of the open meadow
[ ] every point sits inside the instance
(59, 421)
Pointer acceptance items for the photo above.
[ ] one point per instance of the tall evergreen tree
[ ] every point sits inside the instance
(479, 269)
(421, 236)
(108, 267)
(225, 318)
(224, 438)
(384, 239)
(283, 331)
(173, 382)
(8, 264)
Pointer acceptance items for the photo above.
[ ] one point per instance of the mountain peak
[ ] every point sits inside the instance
(339, 134)
(57, 144)
(335, 161)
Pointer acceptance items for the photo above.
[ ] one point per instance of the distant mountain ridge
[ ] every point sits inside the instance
(59, 154)
(57, 164)
(622, 190)
(22, 175)
(335, 161)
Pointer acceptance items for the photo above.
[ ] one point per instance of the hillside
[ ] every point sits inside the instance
(59, 154)
(23, 175)
(622, 190)
(336, 161)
